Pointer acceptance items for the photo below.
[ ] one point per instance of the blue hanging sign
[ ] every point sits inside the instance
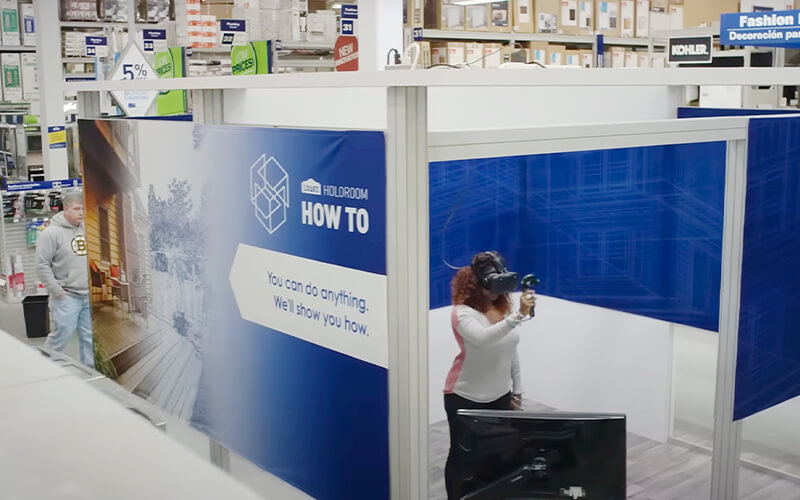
(349, 11)
(39, 186)
(767, 29)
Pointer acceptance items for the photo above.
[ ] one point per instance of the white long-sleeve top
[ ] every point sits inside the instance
(487, 364)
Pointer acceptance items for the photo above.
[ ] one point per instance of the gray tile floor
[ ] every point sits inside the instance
(656, 471)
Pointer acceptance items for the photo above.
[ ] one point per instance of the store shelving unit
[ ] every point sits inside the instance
(493, 36)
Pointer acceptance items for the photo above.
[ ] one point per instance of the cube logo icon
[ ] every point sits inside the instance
(269, 192)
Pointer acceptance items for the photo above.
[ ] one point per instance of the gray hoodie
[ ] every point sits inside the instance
(61, 258)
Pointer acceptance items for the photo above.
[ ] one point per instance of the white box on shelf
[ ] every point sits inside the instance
(28, 24)
(299, 20)
(642, 18)
(627, 16)
(675, 17)
(617, 57)
(30, 77)
(10, 23)
(12, 81)
(631, 59)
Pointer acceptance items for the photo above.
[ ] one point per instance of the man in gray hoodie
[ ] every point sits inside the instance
(61, 258)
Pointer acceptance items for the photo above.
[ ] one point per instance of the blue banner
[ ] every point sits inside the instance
(768, 361)
(257, 263)
(232, 25)
(637, 229)
(43, 185)
(767, 29)
(154, 34)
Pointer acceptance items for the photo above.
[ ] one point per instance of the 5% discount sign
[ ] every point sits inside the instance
(133, 65)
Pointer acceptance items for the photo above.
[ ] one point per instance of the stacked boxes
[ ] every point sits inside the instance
(547, 16)
(607, 17)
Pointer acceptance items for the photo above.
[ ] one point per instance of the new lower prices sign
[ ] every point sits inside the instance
(345, 53)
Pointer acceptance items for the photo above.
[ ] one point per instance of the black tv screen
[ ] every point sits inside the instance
(519, 455)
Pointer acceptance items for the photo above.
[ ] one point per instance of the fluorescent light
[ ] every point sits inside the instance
(471, 2)
(336, 6)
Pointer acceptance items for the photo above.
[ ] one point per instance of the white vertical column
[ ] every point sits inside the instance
(380, 28)
(407, 266)
(51, 85)
(727, 433)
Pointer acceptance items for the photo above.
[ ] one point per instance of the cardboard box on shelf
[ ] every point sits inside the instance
(444, 15)
(492, 55)
(477, 17)
(425, 59)
(416, 8)
(706, 13)
(658, 60)
(659, 21)
(586, 17)
(659, 5)
(515, 55)
(568, 17)
(642, 18)
(500, 16)
(675, 16)
(587, 58)
(456, 53)
(438, 53)
(474, 54)
(631, 59)
(754, 5)
(573, 57)
(556, 55)
(617, 57)
(627, 9)
(607, 17)
(539, 52)
(523, 16)
(547, 12)
(644, 60)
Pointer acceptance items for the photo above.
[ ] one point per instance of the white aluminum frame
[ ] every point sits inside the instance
(409, 149)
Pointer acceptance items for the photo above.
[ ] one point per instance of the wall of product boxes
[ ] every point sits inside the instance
(18, 57)
(558, 32)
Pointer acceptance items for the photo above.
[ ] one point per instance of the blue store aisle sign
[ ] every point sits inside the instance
(768, 29)
(154, 40)
(96, 46)
(685, 50)
(44, 185)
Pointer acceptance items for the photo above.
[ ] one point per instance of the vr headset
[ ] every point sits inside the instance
(492, 273)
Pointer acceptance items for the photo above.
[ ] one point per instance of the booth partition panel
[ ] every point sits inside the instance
(239, 283)
(768, 364)
(627, 245)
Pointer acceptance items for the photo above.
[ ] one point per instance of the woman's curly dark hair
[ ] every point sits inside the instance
(466, 290)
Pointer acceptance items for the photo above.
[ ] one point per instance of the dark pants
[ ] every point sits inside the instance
(453, 403)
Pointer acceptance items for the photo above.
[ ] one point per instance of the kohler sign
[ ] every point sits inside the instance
(690, 49)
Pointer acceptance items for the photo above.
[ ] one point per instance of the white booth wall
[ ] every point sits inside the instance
(454, 108)
(574, 356)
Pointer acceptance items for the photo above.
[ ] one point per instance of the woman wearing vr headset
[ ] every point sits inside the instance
(487, 365)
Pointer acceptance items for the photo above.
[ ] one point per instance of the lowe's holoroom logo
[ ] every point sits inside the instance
(269, 192)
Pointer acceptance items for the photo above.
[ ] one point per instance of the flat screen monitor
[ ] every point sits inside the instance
(506, 455)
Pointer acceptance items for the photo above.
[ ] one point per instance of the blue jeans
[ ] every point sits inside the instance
(71, 313)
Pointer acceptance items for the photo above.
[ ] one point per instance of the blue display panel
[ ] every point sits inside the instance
(635, 229)
(768, 362)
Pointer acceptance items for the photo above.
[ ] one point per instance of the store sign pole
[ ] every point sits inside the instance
(133, 65)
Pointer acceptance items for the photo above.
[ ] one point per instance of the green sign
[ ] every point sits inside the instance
(11, 76)
(255, 58)
(170, 64)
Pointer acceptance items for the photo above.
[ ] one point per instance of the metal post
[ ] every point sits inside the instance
(89, 105)
(727, 433)
(408, 283)
(207, 109)
(51, 85)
